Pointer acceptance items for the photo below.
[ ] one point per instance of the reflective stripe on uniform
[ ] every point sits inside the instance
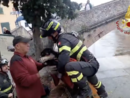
(57, 26)
(98, 85)
(67, 48)
(81, 52)
(49, 26)
(6, 90)
(73, 79)
(76, 48)
(71, 73)
(40, 36)
(78, 78)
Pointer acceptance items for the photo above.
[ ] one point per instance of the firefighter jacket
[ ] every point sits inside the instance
(70, 46)
(5, 85)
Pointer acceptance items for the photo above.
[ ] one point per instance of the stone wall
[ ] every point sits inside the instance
(99, 14)
(28, 34)
(22, 32)
(97, 22)
(97, 33)
(4, 42)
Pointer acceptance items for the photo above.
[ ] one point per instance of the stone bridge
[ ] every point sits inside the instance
(94, 23)
(99, 21)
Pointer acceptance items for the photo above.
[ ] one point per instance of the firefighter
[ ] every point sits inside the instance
(6, 87)
(86, 66)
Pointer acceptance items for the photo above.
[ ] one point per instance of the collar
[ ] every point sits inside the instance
(20, 54)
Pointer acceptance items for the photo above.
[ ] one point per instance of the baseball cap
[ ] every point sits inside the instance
(19, 39)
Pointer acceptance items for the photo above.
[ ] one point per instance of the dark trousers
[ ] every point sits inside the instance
(88, 69)
(85, 68)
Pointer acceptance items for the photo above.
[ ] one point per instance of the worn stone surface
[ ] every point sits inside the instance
(97, 33)
(22, 32)
(96, 15)
(4, 42)
(114, 73)
(112, 11)
(117, 87)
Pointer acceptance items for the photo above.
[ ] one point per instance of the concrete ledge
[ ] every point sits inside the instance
(8, 35)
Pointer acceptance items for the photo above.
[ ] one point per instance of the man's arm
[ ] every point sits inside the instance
(21, 75)
(39, 65)
(43, 60)
(64, 54)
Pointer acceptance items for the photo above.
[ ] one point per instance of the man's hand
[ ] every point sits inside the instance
(52, 70)
(46, 58)
(48, 70)
(10, 95)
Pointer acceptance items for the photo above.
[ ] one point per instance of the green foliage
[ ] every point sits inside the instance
(38, 12)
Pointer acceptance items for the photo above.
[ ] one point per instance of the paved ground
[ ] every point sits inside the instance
(115, 74)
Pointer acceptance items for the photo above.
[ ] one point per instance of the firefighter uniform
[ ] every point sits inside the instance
(5, 85)
(70, 46)
(85, 68)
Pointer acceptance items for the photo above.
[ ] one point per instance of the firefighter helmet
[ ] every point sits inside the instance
(3, 62)
(50, 27)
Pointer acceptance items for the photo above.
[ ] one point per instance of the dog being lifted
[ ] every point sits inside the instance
(61, 89)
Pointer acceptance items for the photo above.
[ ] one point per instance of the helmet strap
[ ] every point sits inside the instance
(1, 70)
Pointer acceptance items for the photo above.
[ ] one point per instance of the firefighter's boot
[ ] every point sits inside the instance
(99, 86)
(102, 92)
(85, 90)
